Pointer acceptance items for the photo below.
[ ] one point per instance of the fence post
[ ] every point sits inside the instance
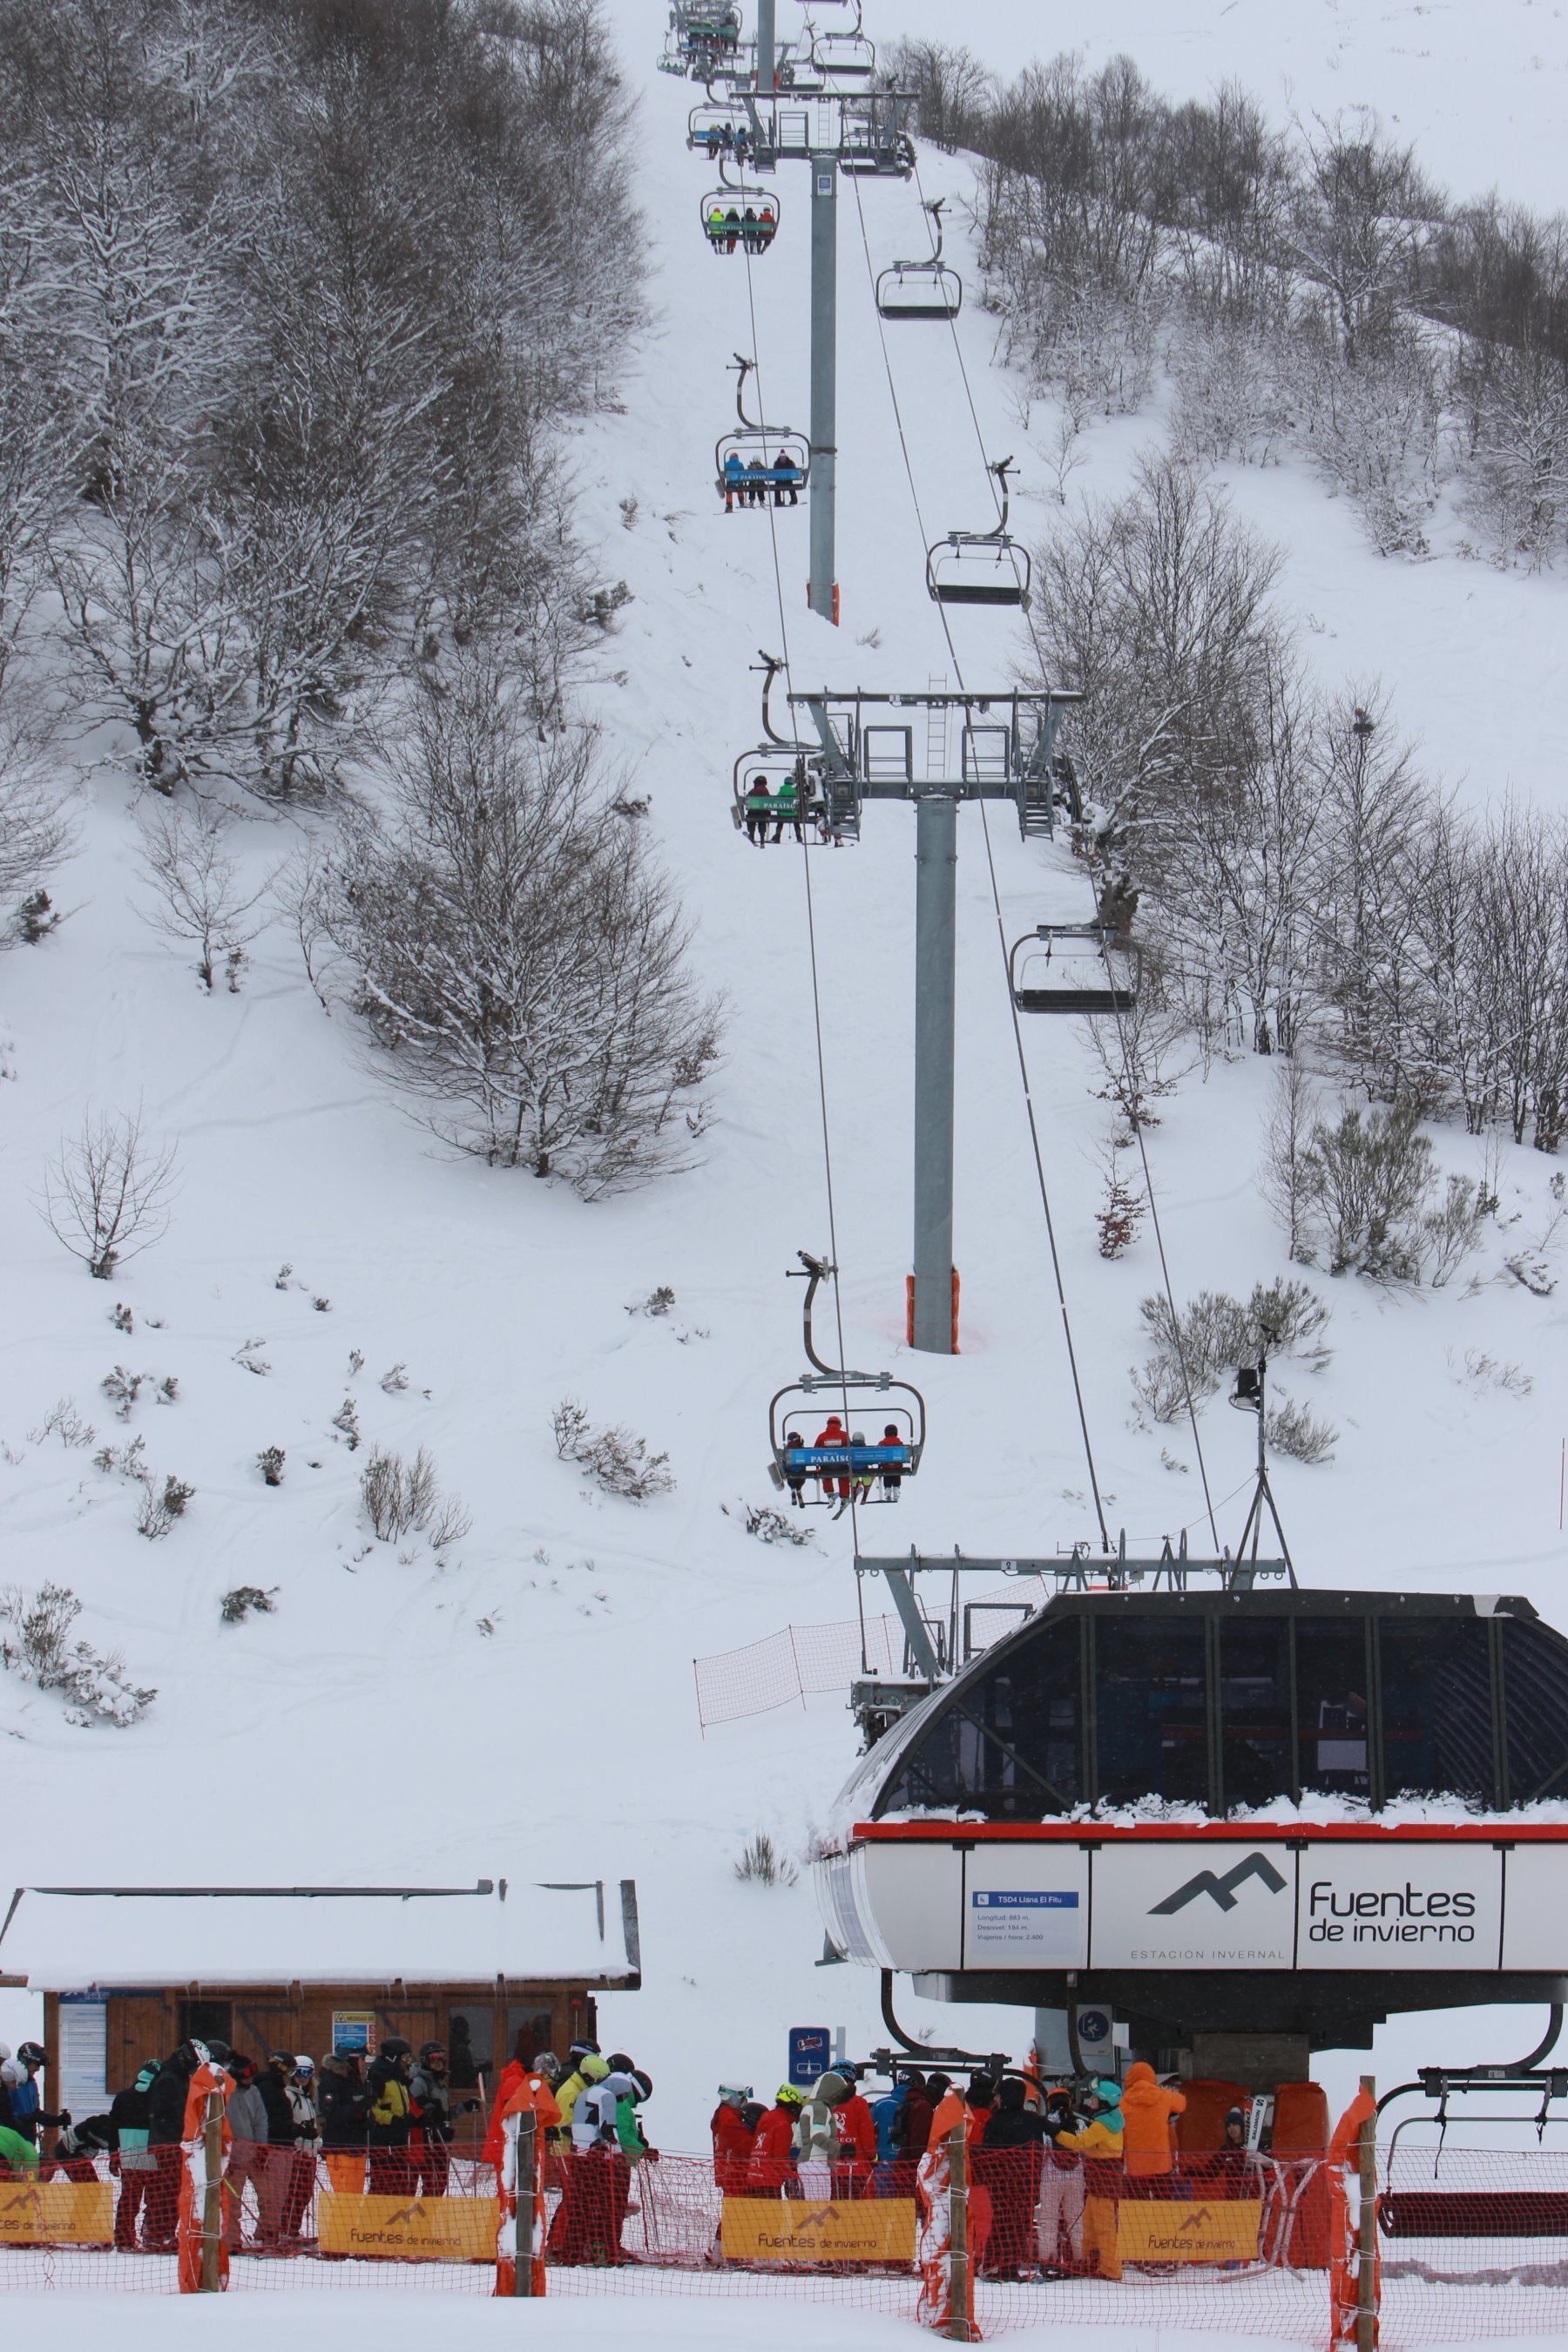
(961, 2300)
(527, 2187)
(1366, 2263)
(212, 2196)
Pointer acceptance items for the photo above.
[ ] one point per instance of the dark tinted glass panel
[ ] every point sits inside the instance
(1535, 1682)
(1437, 1706)
(1331, 1704)
(1013, 1750)
(1150, 1717)
(1254, 1712)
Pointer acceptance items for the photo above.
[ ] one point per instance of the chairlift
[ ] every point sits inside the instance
(719, 130)
(761, 465)
(838, 1436)
(781, 793)
(1049, 970)
(849, 55)
(705, 35)
(981, 567)
(738, 219)
(922, 289)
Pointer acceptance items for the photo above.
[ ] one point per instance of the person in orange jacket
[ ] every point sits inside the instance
(1148, 2146)
(773, 2164)
(856, 2133)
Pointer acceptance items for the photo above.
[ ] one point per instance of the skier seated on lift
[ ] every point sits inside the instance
(714, 224)
(757, 480)
(787, 807)
(735, 484)
(786, 476)
(759, 808)
(862, 1480)
(794, 1477)
(835, 1435)
(893, 1472)
(750, 236)
(767, 227)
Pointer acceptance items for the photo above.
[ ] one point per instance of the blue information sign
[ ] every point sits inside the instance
(810, 2049)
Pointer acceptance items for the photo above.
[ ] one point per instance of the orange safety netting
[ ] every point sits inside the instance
(1474, 2245)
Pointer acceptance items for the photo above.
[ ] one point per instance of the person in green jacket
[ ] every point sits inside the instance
(15, 2150)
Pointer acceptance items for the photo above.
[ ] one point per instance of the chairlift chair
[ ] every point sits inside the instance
(821, 1469)
(739, 219)
(847, 56)
(1048, 969)
(707, 36)
(922, 289)
(720, 131)
(981, 567)
(784, 785)
(760, 465)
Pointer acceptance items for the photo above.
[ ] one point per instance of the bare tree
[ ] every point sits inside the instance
(520, 962)
(1358, 224)
(197, 893)
(107, 1195)
(1292, 1117)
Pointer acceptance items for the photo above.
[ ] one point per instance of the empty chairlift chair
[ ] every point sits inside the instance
(846, 56)
(922, 289)
(757, 465)
(981, 567)
(1083, 968)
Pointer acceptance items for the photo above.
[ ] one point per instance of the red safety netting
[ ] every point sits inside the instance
(1473, 2245)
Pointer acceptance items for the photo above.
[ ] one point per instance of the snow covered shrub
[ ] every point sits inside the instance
(35, 917)
(196, 894)
(106, 1194)
(38, 1650)
(63, 1420)
(1514, 450)
(161, 1507)
(1230, 399)
(762, 1865)
(770, 1526)
(1376, 429)
(1121, 1213)
(235, 1606)
(1197, 1350)
(399, 1495)
(613, 1458)
(122, 1389)
(520, 962)
(345, 1421)
(1370, 1179)
(270, 1462)
(1291, 1428)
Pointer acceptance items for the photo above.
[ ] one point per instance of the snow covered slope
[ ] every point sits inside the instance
(372, 1725)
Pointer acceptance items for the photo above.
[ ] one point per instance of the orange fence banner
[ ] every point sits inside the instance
(419, 2228)
(57, 2213)
(1199, 2233)
(808, 2230)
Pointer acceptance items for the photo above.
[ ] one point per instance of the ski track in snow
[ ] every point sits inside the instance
(368, 1729)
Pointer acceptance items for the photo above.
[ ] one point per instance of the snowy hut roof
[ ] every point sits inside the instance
(76, 1938)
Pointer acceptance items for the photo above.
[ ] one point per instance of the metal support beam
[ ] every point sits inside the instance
(936, 868)
(766, 11)
(823, 595)
(921, 1652)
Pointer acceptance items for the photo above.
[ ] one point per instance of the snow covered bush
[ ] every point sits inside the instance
(399, 1495)
(39, 1649)
(160, 1507)
(1376, 1204)
(236, 1606)
(613, 1458)
(518, 959)
(1291, 1428)
(195, 893)
(762, 1865)
(1197, 1349)
(106, 1195)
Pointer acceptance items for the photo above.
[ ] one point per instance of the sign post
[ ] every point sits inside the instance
(960, 2328)
(212, 2195)
(1366, 2263)
(527, 2186)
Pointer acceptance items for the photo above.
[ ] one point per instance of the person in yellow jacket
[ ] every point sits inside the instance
(1099, 2144)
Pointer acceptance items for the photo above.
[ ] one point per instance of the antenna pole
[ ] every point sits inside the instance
(823, 592)
(766, 12)
(936, 870)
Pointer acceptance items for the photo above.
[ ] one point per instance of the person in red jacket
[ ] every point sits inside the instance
(834, 1434)
(772, 2167)
(731, 2140)
(857, 2139)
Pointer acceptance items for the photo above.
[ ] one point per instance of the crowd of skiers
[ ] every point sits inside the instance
(1048, 2167)
(381, 2127)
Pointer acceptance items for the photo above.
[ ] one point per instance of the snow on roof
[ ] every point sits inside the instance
(71, 1939)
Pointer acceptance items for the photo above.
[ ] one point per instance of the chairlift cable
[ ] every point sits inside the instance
(811, 939)
(1116, 1009)
(1017, 1033)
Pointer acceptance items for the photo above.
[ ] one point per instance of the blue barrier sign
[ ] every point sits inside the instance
(810, 2051)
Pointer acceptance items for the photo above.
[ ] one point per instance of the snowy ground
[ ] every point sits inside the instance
(370, 1728)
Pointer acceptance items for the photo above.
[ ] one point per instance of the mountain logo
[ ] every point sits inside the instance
(1221, 1890)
